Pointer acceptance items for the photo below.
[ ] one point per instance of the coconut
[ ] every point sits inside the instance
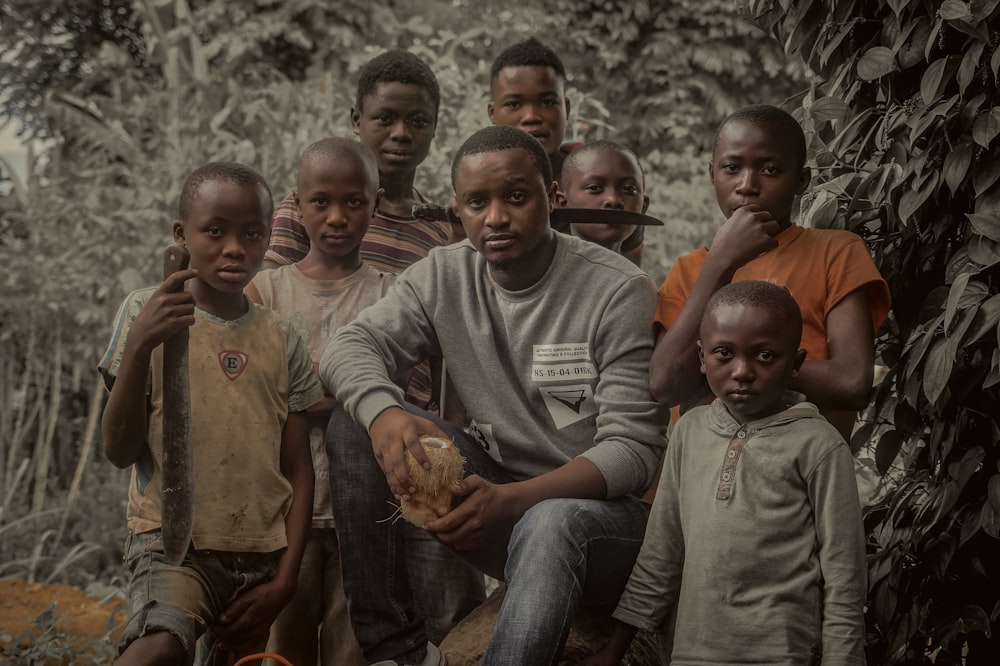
(433, 497)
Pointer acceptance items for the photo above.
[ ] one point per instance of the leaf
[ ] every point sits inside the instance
(930, 82)
(962, 470)
(967, 70)
(986, 224)
(823, 210)
(993, 491)
(987, 173)
(986, 127)
(954, 9)
(876, 63)
(937, 371)
(906, 419)
(975, 619)
(995, 62)
(956, 165)
(989, 520)
(954, 294)
(986, 319)
(826, 109)
(887, 450)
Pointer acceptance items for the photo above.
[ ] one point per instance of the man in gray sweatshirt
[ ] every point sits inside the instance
(547, 339)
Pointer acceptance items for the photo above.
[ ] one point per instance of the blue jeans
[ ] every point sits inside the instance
(560, 554)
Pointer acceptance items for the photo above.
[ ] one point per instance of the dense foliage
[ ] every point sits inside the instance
(904, 137)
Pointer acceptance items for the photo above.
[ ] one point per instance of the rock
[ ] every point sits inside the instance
(466, 643)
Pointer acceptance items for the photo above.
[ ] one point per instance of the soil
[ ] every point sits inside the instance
(83, 619)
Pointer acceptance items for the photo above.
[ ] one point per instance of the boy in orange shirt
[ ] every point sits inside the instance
(757, 169)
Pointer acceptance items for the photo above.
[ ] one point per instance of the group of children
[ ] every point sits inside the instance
(559, 360)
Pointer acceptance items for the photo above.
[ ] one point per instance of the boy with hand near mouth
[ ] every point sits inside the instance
(250, 381)
(754, 551)
(758, 167)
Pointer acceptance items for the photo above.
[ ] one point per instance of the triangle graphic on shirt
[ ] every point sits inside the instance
(233, 363)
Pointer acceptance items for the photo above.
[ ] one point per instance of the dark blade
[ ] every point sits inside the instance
(177, 520)
(559, 217)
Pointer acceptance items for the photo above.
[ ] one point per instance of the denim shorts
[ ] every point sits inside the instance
(183, 600)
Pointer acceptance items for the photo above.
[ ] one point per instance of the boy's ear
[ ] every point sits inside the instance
(567, 108)
(800, 356)
(378, 197)
(560, 199)
(178, 232)
(645, 203)
(489, 110)
(701, 357)
(804, 177)
(295, 197)
(355, 120)
(711, 173)
(552, 192)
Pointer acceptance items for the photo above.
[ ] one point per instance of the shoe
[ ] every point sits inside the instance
(433, 658)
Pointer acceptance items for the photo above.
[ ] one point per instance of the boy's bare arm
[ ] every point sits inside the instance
(253, 612)
(674, 371)
(488, 506)
(124, 423)
(845, 380)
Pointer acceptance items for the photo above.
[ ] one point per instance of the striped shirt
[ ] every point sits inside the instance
(391, 245)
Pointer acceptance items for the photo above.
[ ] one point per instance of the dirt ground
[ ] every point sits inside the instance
(84, 619)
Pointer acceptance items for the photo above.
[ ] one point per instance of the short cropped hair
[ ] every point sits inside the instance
(215, 172)
(498, 138)
(338, 149)
(772, 298)
(572, 160)
(529, 53)
(397, 67)
(765, 114)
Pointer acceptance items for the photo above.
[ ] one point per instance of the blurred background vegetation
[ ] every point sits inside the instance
(898, 99)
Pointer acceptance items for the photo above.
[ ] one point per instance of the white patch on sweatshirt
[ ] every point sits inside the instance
(569, 351)
(569, 403)
(483, 434)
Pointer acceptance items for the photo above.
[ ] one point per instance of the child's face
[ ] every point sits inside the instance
(337, 199)
(397, 122)
(505, 206)
(532, 99)
(226, 232)
(755, 164)
(604, 178)
(748, 357)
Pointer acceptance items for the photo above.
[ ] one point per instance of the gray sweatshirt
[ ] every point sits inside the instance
(548, 373)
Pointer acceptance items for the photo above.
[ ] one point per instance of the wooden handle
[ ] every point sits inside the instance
(175, 258)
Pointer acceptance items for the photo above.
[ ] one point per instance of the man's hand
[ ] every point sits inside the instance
(748, 233)
(250, 616)
(393, 432)
(169, 310)
(487, 507)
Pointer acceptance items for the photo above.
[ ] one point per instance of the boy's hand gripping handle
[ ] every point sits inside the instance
(177, 520)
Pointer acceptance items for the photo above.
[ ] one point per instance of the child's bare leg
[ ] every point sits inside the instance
(157, 649)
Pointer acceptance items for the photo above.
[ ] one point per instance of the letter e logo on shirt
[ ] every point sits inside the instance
(233, 363)
(569, 403)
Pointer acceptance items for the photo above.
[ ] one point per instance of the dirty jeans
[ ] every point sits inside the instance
(561, 553)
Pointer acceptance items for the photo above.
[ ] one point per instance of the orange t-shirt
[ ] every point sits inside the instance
(819, 266)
